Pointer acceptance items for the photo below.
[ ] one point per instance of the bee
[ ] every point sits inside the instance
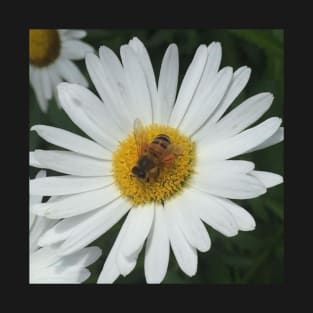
(154, 155)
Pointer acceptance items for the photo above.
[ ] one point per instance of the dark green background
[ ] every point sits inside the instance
(250, 257)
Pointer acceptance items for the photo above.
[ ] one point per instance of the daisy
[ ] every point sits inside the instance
(50, 55)
(169, 212)
(45, 265)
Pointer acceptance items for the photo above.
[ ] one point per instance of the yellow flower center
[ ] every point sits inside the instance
(172, 177)
(44, 46)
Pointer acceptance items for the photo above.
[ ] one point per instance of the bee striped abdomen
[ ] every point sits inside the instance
(159, 145)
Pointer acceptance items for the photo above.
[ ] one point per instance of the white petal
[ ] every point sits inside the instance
(192, 227)
(241, 117)
(136, 86)
(210, 89)
(77, 204)
(239, 81)
(185, 254)
(72, 33)
(81, 258)
(111, 63)
(40, 226)
(110, 271)
(204, 102)
(75, 110)
(214, 56)
(277, 137)
(75, 49)
(46, 84)
(90, 114)
(70, 141)
(145, 62)
(229, 185)
(67, 184)
(243, 218)
(72, 163)
(38, 89)
(58, 275)
(268, 179)
(55, 79)
(215, 169)
(95, 226)
(167, 85)
(210, 211)
(33, 161)
(70, 72)
(109, 90)
(141, 219)
(189, 86)
(157, 249)
(62, 230)
(240, 143)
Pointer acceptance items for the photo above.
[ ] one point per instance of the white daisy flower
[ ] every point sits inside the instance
(168, 211)
(50, 55)
(45, 265)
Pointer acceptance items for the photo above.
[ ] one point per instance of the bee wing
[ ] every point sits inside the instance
(172, 151)
(140, 137)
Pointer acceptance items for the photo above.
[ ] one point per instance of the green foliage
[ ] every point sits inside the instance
(251, 257)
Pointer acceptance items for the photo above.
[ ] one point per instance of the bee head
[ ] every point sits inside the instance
(138, 172)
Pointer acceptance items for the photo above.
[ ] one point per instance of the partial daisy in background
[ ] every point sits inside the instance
(50, 55)
(45, 265)
(99, 187)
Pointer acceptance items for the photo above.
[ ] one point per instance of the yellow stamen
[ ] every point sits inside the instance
(44, 46)
(172, 178)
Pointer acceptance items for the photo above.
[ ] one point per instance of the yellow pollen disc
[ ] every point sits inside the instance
(173, 177)
(44, 46)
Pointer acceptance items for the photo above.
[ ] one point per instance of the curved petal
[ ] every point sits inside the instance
(61, 230)
(70, 141)
(77, 204)
(72, 33)
(204, 103)
(229, 185)
(110, 271)
(37, 84)
(136, 87)
(46, 83)
(185, 254)
(86, 107)
(33, 161)
(167, 85)
(95, 226)
(240, 143)
(157, 249)
(268, 179)
(145, 62)
(241, 117)
(239, 81)
(193, 228)
(75, 111)
(141, 219)
(72, 163)
(277, 137)
(188, 86)
(210, 211)
(70, 72)
(243, 218)
(110, 90)
(81, 258)
(66, 184)
(75, 49)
